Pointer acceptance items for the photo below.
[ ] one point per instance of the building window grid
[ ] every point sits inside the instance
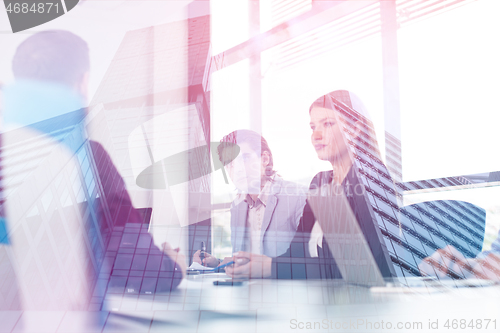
(437, 236)
(407, 254)
(458, 224)
(479, 215)
(474, 235)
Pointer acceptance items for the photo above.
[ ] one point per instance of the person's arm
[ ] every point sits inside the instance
(448, 261)
(248, 265)
(295, 263)
(175, 255)
(495, 249)
(444, 262)
(166, 268)
(490, 260)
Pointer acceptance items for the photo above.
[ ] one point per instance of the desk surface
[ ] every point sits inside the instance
(273, 306)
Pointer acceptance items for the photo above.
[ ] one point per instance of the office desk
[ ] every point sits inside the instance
(275, 306)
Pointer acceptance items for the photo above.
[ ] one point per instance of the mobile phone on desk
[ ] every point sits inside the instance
(228, 282)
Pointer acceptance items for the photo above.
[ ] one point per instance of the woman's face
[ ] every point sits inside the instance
(327, 135)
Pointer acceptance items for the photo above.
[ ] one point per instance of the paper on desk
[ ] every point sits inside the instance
(198, 267)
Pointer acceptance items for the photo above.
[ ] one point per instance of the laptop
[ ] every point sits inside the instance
(345, 238)
(354, 255)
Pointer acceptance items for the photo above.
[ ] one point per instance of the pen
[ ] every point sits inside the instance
(216, 269)
(202, 252)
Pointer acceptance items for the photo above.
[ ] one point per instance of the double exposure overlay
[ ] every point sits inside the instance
(249, 165)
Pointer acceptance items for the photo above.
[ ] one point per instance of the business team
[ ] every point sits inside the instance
(274, 226)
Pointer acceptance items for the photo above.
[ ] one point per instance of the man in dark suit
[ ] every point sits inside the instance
(46, 103)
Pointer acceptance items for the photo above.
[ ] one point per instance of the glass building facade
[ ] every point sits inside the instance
(414, 232)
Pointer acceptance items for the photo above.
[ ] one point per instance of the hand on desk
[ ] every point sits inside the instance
(226, 260)
(249, 266)
(174, 254)
(208, 261)
(449, 258)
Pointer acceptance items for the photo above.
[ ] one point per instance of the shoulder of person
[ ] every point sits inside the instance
(285, 187)
(321, 178)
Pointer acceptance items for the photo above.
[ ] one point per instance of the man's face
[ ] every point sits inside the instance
(246, 169)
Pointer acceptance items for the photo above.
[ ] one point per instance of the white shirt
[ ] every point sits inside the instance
(255, 216)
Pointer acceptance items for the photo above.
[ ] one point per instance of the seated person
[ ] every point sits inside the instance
(45, 106)
(267, 209)
(345, 139)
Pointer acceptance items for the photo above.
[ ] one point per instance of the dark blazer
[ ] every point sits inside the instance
(297, 262)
